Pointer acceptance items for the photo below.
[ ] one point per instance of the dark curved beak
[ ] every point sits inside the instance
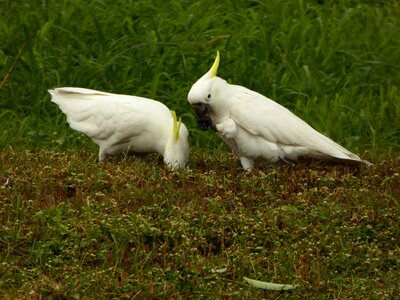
(201, 109)
(203, 120)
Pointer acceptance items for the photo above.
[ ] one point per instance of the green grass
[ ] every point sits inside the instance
(334, 63)
(128, 228)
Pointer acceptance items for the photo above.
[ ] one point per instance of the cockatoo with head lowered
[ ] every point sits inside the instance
(255, 127)
(118, 123)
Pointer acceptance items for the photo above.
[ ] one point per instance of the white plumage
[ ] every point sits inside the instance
(118, 123)
(254, 126)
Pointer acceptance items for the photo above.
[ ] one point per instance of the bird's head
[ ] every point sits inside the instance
(176, 153)
(204, 94)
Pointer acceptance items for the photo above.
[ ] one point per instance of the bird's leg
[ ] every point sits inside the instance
(102, 154)
(227, 128)
(247, 163)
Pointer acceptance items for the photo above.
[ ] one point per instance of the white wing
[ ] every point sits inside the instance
(265, 118)
(112, 119)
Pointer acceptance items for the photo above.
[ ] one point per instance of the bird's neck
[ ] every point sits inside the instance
(222, 100)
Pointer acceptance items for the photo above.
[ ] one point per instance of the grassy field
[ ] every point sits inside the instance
(73, 228)
(129, 228)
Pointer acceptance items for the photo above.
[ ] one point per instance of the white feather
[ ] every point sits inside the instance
(120, 123)
(254, 126)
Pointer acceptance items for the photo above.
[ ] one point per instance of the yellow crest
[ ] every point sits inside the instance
(177, 125)
(214, 68)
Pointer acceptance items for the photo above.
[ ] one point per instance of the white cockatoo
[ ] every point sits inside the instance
(255, 127)
(118, 123)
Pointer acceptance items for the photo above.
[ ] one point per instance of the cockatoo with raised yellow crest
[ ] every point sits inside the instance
(118, 123)
(255, 127)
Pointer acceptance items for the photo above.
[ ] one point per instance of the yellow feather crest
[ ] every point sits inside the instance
(214, 68)
(177, 125)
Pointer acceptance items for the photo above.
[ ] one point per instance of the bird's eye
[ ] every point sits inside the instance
(209, 96)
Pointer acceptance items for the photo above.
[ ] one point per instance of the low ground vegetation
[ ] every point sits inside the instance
(129, 227)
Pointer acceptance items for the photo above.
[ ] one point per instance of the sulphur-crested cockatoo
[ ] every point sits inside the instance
(119, 123)
(256, 127)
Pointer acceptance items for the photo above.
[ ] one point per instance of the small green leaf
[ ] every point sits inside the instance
(269, 285)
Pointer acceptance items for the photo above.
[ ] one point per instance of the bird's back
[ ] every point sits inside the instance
(285, 133)
(113, 120)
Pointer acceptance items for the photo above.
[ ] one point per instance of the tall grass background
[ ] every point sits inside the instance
(336, 64)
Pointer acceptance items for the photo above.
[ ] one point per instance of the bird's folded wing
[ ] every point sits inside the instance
(100, 115)
(267, 119)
